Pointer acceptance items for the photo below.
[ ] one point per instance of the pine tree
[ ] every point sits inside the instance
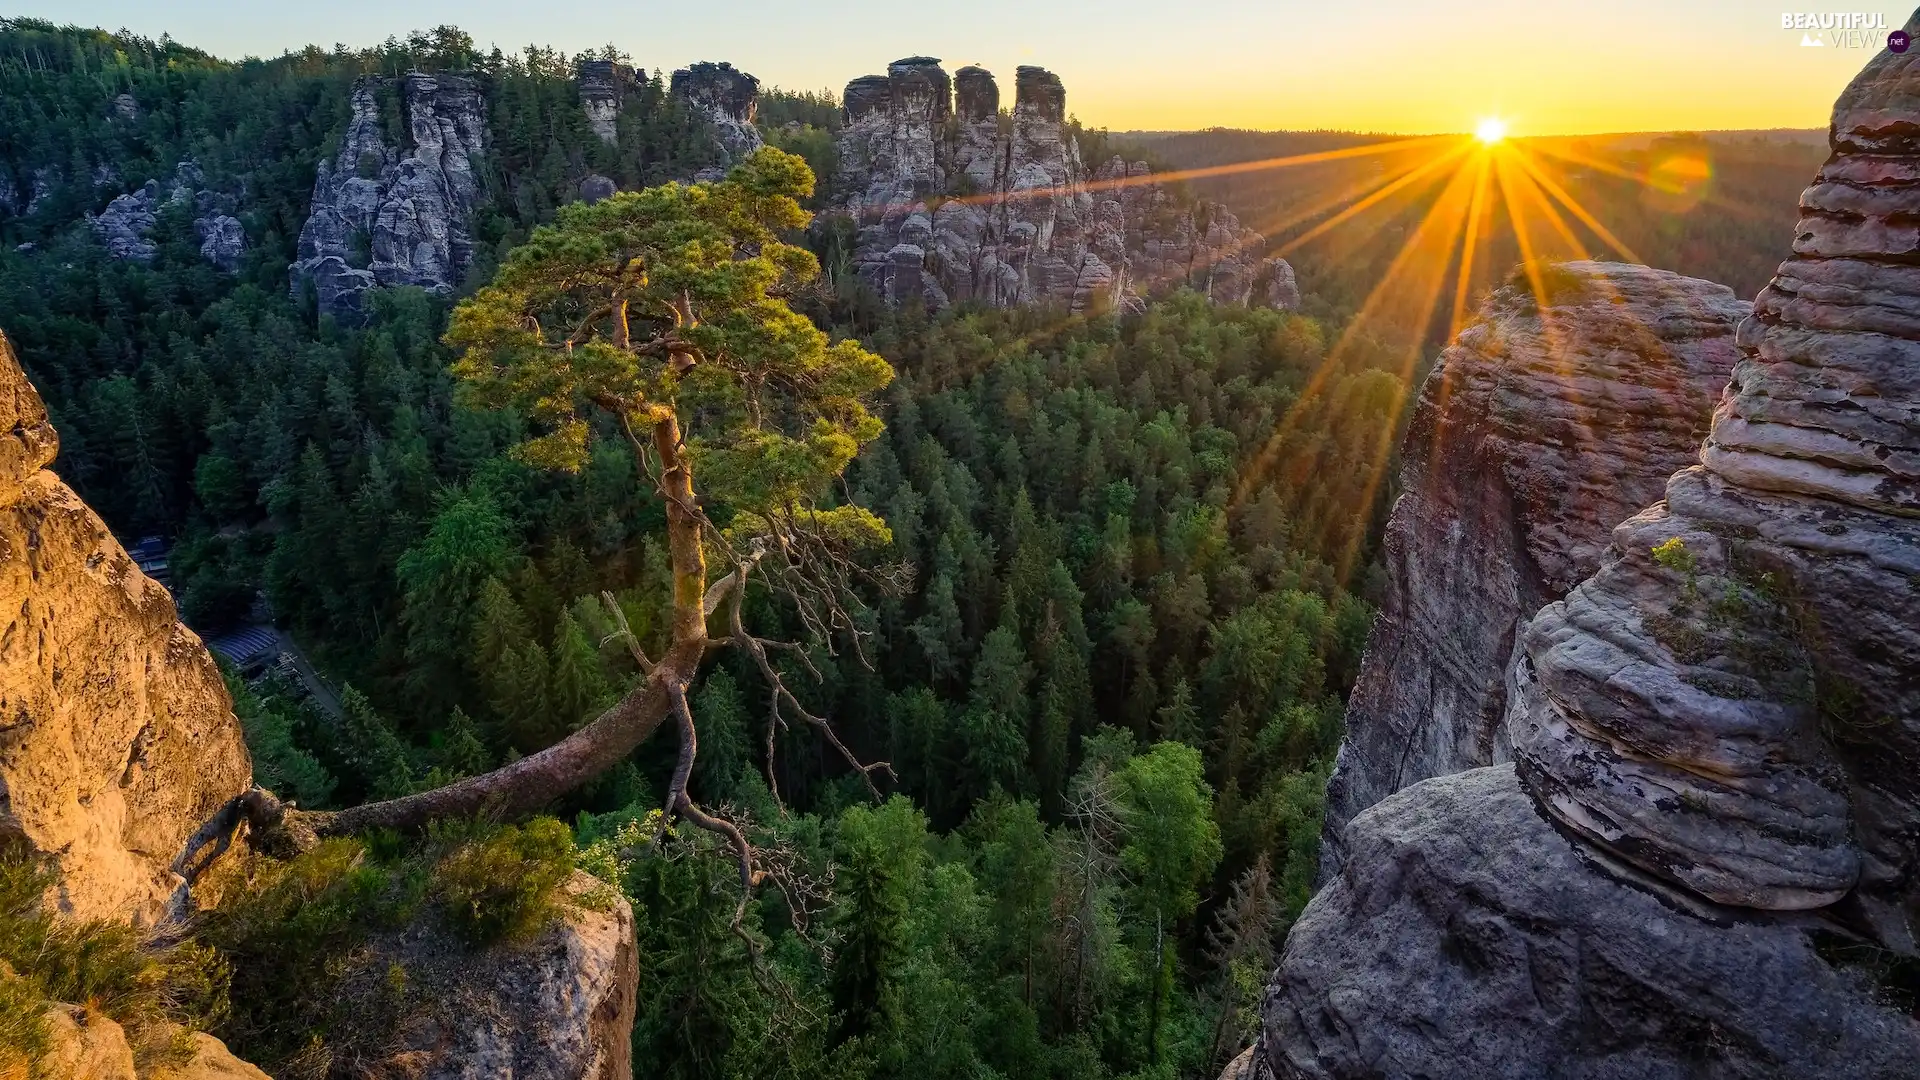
(577, 686)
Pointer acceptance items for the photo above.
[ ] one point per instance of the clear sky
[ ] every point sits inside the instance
(1416, 66)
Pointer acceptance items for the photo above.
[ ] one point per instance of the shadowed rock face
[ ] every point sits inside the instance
(386, 215)
(557, 1007)
(1466, 937)
(954, 203)
(603, 86)
(1739, 711)
(117, 739)
(1539, 429)
(728, 99)
(125, 226)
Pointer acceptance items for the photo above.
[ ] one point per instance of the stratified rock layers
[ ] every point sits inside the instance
(117, 738)
(1538, 430)
(954, 202)
(386, 215)
(1733, 702)
(1702, 861)
(1466, 937)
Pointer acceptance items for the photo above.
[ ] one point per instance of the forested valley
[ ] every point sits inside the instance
(1130, 558)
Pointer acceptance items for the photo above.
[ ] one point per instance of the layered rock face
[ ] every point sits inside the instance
(1540, 428)
(117, 738)
(954, 202)
(1466, 937)
(396, 215)
(1732, 703)
(728, 99)
(603, 87)
(1702, 860)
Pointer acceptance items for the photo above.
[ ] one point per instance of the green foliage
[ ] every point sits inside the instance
(502, 886)
(281, 764)
(673, 283)
(151, 988)
(309, 986)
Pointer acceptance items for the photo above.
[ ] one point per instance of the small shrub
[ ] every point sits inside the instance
(1672, 554)
(502, 886)
(151, 989)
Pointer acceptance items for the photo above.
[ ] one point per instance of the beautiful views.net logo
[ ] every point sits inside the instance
(1840, 29)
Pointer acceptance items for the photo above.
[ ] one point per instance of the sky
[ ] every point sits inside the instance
(1404, 66)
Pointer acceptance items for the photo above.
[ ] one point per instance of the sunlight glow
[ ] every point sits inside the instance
(1491, 130)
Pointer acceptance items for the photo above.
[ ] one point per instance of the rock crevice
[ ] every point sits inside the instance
(396, 215)
(1540, 428)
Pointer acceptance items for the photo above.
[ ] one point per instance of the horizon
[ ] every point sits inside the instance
(1393, 67)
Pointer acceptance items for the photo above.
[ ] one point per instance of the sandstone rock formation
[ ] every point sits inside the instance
(1540, 428)
(727, 99)
(1733, 702)
(396, 215)
(87, 1045)
(1702, 861)
(1466, 937)
(560, 1007)
(126, 225)
(604, 85)
(117, 738)
(953, 201)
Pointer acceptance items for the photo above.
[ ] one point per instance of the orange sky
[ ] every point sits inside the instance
(1415, 66)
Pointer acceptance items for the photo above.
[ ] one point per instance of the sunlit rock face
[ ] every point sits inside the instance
(1701, 861)
(1733, 702)
(954, 201)
(385, 215)
(1541, 427)
(117, 738)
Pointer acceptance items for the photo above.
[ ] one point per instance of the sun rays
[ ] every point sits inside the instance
(1480, 178)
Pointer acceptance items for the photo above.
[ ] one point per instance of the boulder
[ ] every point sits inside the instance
(559, 1007)
(1540, 428)
(117, 738)
(1466, 936)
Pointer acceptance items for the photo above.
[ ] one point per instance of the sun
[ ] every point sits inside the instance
(1491, 130)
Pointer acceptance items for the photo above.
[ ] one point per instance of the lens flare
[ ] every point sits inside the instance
(1491, 130)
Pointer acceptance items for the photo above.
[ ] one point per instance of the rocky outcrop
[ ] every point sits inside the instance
(1732, 703)
(396, 215)
(1539, 429)
(727, 99)
(1701, 861)
(126, 225)
(1465, 936)
(955, 202)
(117, 738)
(560, 1007)
(604, 85)
(87, 1045)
